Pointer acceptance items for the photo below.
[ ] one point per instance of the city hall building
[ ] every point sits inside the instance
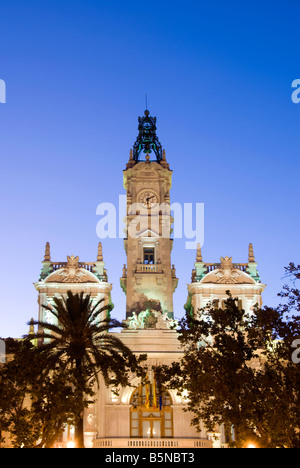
(126, 421)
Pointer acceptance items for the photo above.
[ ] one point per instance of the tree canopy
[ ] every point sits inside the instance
(45, 387)
(238, 370)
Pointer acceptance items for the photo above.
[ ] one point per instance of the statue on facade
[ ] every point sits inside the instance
(151, 319)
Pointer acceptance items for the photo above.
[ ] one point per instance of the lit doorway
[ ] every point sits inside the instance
(151, 415)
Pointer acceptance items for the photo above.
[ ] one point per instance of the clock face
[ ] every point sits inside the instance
(148, 199)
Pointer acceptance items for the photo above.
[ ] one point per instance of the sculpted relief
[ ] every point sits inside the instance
(71, 272)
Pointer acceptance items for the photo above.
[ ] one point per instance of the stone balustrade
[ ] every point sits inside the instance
(152, 443)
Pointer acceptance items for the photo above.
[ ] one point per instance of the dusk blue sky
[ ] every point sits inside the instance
(218, 77)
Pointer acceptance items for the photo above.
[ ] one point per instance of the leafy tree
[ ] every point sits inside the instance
(85, 346)
(238, 370)
(35, 404)
(55, 403)
(16, 378)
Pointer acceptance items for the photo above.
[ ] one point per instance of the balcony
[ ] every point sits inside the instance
(149, 268)
(152, 443)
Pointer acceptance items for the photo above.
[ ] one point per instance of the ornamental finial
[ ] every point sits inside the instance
(100, 254)
(199, 253)
(251, 258)
(47, 257)
(31, 327)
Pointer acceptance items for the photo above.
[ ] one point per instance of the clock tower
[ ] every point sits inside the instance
(149, 279)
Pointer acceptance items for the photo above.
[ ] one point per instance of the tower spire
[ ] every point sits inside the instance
(147, 140)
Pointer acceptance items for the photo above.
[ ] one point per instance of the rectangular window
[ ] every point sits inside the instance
(148, 256)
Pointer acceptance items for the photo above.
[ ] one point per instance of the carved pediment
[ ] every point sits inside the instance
(72, 272)
(227, 273)
(148, 233)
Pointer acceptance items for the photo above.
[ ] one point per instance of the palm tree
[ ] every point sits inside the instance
(82, 341)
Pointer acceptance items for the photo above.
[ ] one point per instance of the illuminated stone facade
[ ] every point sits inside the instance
(57, 278)
(149, 274)
(148, 280)
(211, 281)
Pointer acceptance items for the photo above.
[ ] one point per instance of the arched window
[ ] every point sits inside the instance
(151, 415)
